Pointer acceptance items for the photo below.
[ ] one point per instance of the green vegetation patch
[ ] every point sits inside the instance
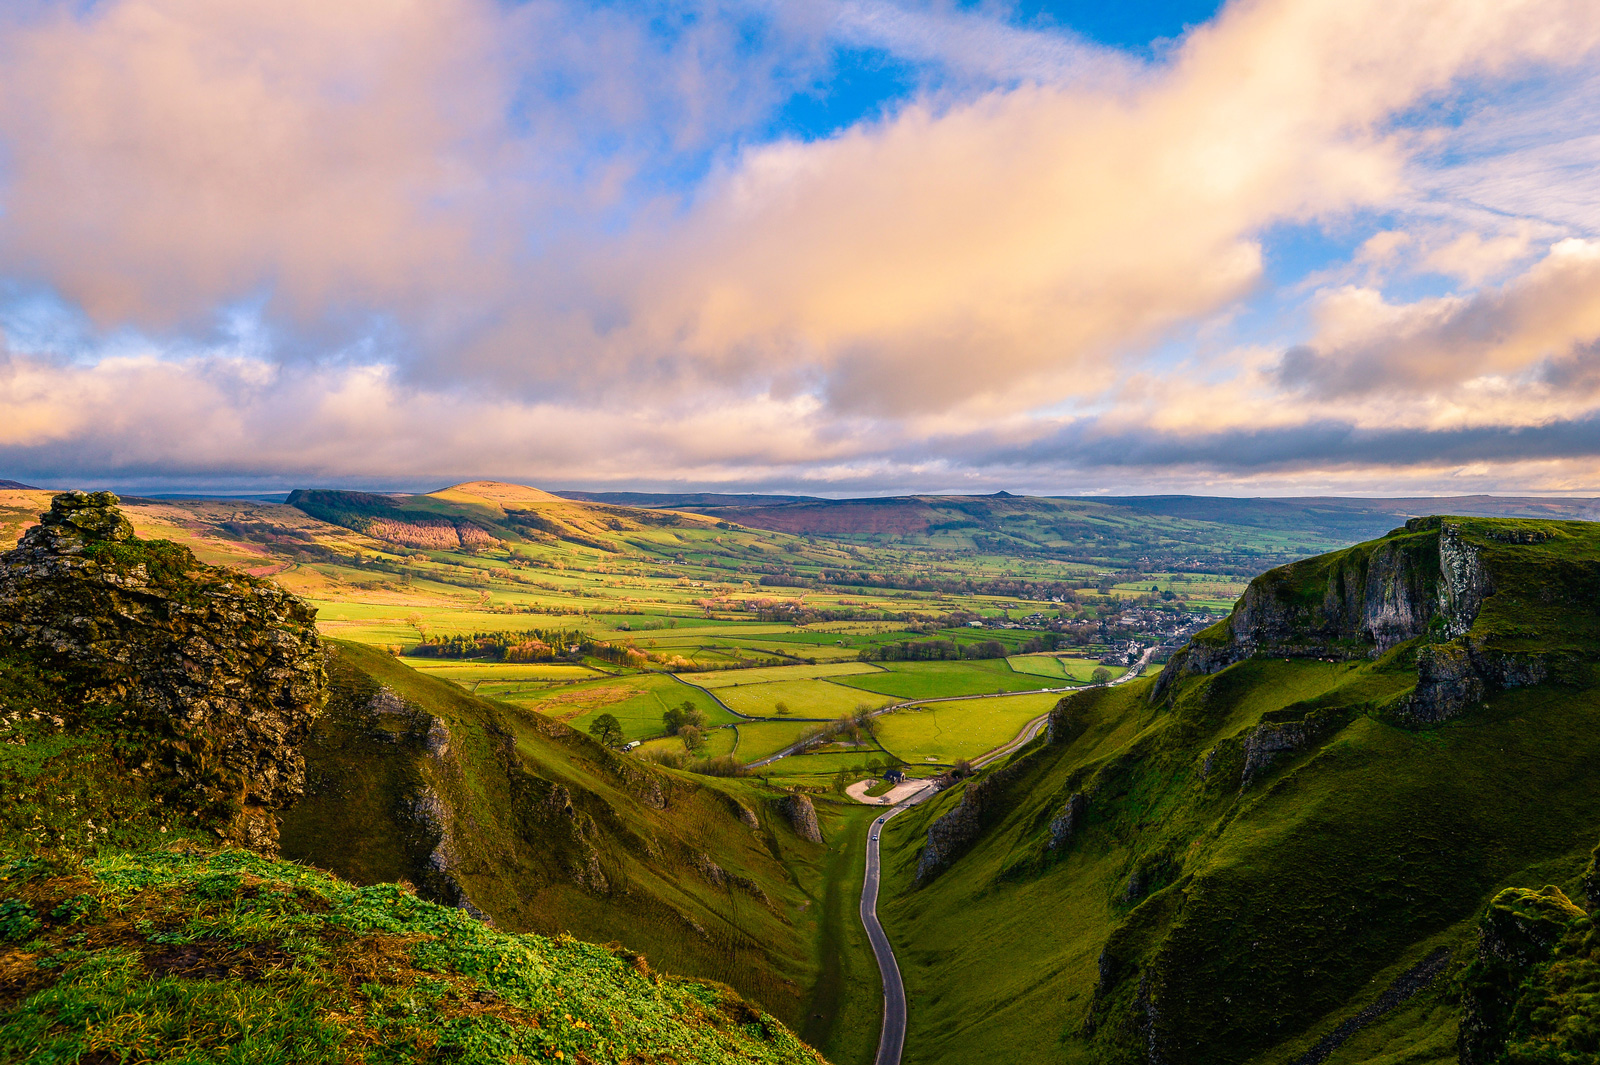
(239, 958)
(946, 732)
(723, 678)
(803, 698)
(1061, 667)
(939, 680)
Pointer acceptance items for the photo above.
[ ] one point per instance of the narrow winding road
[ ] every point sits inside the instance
(892, 1037)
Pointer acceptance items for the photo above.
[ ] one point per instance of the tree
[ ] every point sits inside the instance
(780, 707)
(693, 737)
(1100, 675)
(684, 715)
(607, 729)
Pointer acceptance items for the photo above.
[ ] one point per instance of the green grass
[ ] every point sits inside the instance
(758, 739)
(1331, 871)
(844, 1013)
(234, 957)
(723, 678)
(811, 770)
(804, 698)
(638, 702)
(944, 732)
(719, 742)
(1061, 667)
(937, 680)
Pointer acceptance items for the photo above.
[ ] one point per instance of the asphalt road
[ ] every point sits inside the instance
(892, 1037)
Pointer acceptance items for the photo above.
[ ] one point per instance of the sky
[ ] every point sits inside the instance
(837, 247)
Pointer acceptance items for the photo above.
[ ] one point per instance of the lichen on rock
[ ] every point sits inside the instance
(226, 669)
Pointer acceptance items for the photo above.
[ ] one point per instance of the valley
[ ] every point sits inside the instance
(1153, 762)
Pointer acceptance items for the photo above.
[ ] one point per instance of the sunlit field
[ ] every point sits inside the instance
(942, 733)
(732, 620)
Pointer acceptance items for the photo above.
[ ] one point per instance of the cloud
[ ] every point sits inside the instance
(561, 234)
(1366, 344)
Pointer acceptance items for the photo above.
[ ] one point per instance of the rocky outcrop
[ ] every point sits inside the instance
(1068, 822)
(1521, 929)
(1271, 740)
(951, 835)
(1397, 993)
(1454, 676)
(430, 813)
(715, 875)
(225, 669)
(1066, 723)
(1427, 580)
(801, 815)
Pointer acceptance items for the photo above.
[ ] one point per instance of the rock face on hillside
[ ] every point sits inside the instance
(226, 668)
(1353, 604)
(959, 828)
(802, 816)
(1429, 580)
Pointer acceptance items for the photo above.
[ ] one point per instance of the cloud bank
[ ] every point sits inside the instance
(1311, 243)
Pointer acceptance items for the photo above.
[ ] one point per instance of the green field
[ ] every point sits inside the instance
(725, 678)
(719, 742)
(811, 770)
(944, 732)
(758, 739)
(804, 698)
(1060, 667)
(935, 680)
(637, 702)
(468, 672)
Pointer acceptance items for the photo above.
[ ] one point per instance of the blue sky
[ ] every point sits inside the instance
(837, 246)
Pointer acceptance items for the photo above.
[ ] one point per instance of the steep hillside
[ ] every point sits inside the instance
(540, 828)
(152, 707)
(1280, 850)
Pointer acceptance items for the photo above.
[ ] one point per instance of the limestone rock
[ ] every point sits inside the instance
(960, 827)
(1268, 741)
(227, 668)
(802, 816)
(1067, 823)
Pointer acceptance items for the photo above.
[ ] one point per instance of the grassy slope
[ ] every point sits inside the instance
(233, 957)
(528, 867)
(123, 936)
(1334, 872)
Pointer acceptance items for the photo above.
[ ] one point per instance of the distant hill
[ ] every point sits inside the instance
(17, 486)
(1353, 518)
(1329, 518)
(688, 500)
(485, 513)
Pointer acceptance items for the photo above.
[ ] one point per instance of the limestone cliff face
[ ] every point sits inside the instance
(1424, 580)
(798, 810)
(226, 667)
